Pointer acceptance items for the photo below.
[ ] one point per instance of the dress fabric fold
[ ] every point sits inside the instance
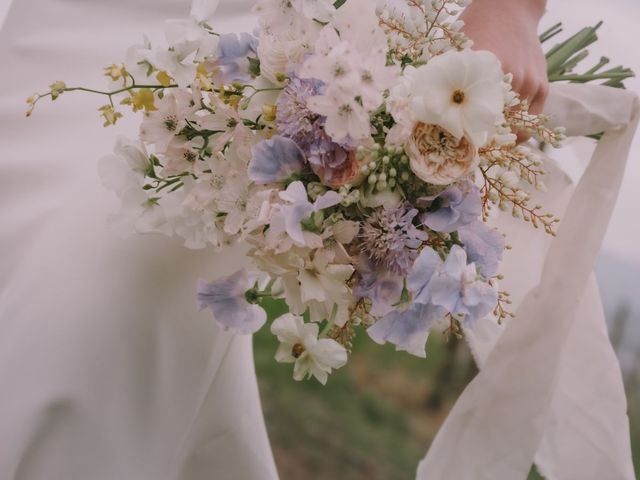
(107, 369)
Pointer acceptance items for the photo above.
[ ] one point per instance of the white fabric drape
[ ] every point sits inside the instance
(549, 386)
(107, 370)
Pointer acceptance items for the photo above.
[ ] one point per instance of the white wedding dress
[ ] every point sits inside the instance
(107, 371)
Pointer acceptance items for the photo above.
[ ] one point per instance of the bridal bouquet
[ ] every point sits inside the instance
(357, 150)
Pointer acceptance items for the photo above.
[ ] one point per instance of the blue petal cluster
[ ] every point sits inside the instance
(233, 50)
(458, 205)
(226, 298)
(275, 160)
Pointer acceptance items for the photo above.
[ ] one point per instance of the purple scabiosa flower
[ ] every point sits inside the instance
(275, 159)
(484, 246)
(226, 298)
(293, 117)
(458, 205)
(233, 50)
(390, 239)
(457, 287)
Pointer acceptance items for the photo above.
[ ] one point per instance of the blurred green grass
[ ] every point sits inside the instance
(376, 416)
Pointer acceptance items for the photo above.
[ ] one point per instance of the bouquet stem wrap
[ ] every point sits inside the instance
(549, 387)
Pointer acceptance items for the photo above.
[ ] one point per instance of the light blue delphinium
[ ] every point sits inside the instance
(458, 205)
(226, 298)
(233, 50)
(457, 287)
(275, 160)
(484, 246)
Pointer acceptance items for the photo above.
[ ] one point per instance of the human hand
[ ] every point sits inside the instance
(509, 29)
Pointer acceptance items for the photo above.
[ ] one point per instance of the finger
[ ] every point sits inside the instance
(517, 81)
(529, 89)
(537, 105)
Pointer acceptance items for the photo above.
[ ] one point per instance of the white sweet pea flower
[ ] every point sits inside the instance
(284, 18)
(299, 208)
(124, 173)
(126, 167)
(138, 59)
(461, 92)
(300, 345)
(190, 41)
(323, 287)
(203, 10)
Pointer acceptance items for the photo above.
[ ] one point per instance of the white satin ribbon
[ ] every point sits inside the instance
(549, 386)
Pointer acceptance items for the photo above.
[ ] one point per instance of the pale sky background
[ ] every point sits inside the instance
(620, 17)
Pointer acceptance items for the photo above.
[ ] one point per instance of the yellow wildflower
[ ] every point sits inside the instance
(116, 72)
(110, 115)
(269, 112)
(164, 78)
(143, 99)
(57, 89)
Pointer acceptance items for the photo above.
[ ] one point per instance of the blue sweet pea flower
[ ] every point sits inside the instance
(275, 159)
(382, 287)
(484, 246)
(419, 278)
(233, 50)
(407, 329)
(457, 287)
(407, 326)
(226, 298)
(458, 205)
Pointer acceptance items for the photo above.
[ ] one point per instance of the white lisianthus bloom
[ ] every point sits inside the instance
(461, 92)
(300, 345)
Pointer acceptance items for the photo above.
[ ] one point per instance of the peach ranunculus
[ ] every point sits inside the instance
(438, 157)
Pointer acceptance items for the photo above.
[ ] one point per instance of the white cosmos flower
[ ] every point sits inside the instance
(300, 345)
(461, 92)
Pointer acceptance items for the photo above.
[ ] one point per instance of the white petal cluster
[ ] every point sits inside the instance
(350, 58)
(300, 345)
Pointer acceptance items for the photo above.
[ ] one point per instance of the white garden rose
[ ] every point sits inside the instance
(461, 92)
(438, 157)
